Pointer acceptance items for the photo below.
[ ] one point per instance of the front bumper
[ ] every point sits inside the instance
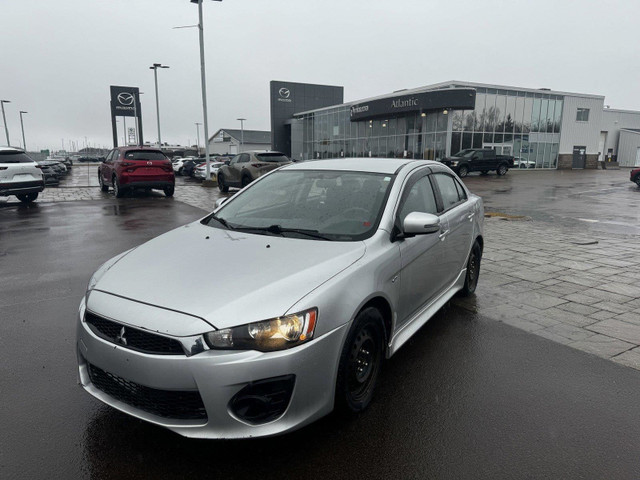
(18, 188)
(217, 376)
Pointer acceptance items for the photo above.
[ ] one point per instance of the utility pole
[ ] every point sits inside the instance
(241, 133)
(4, 119)
(198, 133)
(24, 143)
(155, 68)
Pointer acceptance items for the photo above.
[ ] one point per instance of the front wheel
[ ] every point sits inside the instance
(637, 180)
(360, 361)
(473, 271)
(103, 186)
(223, 188)
(463, 171)
(168, 191)
(117, 190)
(27, 197)
(502, 170)
(246, 180)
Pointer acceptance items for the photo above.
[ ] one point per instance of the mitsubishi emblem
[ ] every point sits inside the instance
(120, 337)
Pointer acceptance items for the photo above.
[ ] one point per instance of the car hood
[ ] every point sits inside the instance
(227, 278)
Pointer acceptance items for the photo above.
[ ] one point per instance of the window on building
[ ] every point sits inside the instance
(582, 115)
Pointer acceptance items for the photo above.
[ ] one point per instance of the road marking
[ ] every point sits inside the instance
(590, 220)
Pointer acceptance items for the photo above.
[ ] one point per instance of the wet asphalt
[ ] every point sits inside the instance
(466, 397)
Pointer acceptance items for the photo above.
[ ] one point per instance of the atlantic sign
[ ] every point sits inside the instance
(451, 98)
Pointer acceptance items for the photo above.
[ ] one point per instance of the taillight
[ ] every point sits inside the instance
(258, 165)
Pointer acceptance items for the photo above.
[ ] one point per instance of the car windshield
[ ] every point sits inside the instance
(465, 153)
(144, 155)
(331, 205)
(14, 157)
(272, 157)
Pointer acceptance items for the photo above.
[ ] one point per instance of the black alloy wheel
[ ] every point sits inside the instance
(463, 171)
(27, 197)
(117, 191)
(473, 271)
(502, 170)
(103, 187)
(360, 361)
(221, 186)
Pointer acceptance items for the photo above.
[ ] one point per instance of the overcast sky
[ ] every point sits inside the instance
(59, 57)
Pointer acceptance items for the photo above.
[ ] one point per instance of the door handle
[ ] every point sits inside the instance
(443, 234)
(471, 215)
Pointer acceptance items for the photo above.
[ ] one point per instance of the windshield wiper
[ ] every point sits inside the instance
(278, 230)
(222, 221)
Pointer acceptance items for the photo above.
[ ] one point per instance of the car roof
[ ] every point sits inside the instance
(365, 164)
(11, 149)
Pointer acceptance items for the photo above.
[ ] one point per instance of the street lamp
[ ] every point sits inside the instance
(198, 133)
(155, 68)
(241, 133)
(24, 143)
(204, 91)
(4, 119)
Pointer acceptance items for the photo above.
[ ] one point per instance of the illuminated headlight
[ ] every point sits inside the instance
(266, 336)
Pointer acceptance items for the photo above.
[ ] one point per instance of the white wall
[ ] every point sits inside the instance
(574, 133)
(613, 120)
(628, 148)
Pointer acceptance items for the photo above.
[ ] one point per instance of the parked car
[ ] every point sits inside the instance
(635, 176)
(51, 177)
(478, 160)
(201, 170)
(245, 167)
(329, 268)
(59, 167)
(19, 175)
(127, 168)
(189, 165)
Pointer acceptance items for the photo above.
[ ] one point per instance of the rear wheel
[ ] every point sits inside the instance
(246, 180)
(502, 169)
(360, 361)
(27, 197)
(223, 188)
(103, 186)
(168, 191)
(117, 191)
(463, 171)
(473, 271)
(637, 180)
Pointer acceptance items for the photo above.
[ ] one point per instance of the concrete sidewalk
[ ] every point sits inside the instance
(576, 288)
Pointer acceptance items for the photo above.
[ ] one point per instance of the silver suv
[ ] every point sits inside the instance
(245, 167)
(19, 175)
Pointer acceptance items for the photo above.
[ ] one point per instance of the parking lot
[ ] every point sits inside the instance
(536, 376)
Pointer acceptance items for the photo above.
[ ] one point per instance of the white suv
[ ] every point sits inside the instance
(19, 175)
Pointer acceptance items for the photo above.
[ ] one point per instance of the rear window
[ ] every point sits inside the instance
(144, 155)
(15, 157)
(272, 157)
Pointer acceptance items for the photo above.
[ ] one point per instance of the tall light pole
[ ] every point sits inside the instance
(241, 133)
(155, 68)
(198, 133)
(4, 119)
(24, 143)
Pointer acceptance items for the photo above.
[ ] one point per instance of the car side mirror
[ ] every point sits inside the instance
(220, 201)
(420, 223)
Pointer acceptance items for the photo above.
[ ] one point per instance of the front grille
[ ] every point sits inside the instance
(133, 338)
(180, 405)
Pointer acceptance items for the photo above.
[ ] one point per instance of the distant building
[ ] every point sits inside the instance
(227, 140)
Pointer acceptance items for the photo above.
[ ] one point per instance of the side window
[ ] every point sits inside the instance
(420, 198)
(462, 195)
(234, 160)
(244, 158)
(478, 155)
(448, 190)
(109, 158)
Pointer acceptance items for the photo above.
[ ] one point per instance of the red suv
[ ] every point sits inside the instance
(635, 176)
(136, 167)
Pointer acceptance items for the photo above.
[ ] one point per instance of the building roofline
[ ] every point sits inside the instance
(620, 110)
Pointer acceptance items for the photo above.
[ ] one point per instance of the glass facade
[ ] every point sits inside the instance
(523, 124)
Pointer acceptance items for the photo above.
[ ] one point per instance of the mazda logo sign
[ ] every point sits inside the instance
(125, 98)
(284, 92)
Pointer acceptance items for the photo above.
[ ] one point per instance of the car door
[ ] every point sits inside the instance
(106, 168)
(478, 162)
(233, 171)
(422, 274)
(458, 213)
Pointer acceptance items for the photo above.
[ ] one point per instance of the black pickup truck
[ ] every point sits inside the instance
(478, 160)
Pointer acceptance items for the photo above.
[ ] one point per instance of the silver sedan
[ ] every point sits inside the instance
(329, 267)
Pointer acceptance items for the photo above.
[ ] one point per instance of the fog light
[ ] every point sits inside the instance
(263, 401)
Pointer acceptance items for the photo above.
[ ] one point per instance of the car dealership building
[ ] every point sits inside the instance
(543, 129)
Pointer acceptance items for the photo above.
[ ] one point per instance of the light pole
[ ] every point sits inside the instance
(155, 68)
(241, 133)
(198, 133)
(24, 143)
(204, 92)
(136, 101)
(4, 119)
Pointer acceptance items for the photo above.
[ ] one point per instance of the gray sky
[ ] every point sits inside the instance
(59, 57)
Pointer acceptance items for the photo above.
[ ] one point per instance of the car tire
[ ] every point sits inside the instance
(360, 362)
(117, 190)
(473, 271)
(103, 187)
(168, 191)
(637, 180)
(246, 180)
(502, 170)
(27, 197)
(463, 171)
(223, 188)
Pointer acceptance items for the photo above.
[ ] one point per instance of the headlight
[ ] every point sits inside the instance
(266, 336)
(454, 164)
